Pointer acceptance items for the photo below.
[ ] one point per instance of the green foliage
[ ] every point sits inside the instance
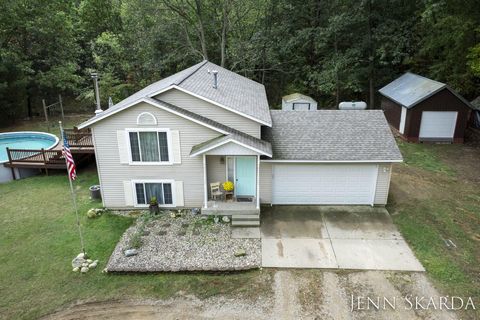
(332, 50)
(153, 201)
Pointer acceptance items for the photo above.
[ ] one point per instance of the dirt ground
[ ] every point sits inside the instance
(295, 294)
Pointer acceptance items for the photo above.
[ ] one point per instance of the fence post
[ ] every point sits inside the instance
(45, 161)
(61, 105)
(45, 110)
(10, 161)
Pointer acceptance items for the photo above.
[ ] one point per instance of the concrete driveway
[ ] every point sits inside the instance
(333, 237)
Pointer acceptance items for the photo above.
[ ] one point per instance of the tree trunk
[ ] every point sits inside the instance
(337, 84)
(201, 29)
(29, 105)
(371, 65)
(223, 44)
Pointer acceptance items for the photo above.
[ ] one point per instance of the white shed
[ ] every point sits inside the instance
(298, 102)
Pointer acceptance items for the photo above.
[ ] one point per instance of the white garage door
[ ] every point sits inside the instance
(438, 124)
(324, 183)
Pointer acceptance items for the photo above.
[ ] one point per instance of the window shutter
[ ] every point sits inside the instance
(127, 187)
(179, 194)
(176, 150)
(122, 145)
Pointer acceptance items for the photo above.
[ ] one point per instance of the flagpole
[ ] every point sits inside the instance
(74, 198)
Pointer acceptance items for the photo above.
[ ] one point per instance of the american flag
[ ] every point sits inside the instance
(68, 158)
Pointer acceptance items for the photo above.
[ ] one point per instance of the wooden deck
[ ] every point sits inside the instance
(81, 145)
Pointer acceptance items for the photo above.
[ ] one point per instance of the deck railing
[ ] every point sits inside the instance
(79, 138)
(46, 157)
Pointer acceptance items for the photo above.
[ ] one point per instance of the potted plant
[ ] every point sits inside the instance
(228, 187)
(154, 209)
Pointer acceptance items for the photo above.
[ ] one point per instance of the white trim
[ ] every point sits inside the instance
(210, 101)
(149, 163)
(333, 161)
(403, 117)
(155, 104)
(205, 192)
(173, 187)
(145, 113)
(98, 167)
(374, 193)
(234, 172)
(258, 181)
(227, 141)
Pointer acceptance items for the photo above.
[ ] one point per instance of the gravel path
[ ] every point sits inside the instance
(185, 243)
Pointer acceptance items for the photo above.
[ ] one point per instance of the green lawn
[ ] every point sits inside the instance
(435, 196)
(38, 239)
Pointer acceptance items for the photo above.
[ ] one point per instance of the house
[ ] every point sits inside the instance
(422, 109)
(298, 102)
(178, 135)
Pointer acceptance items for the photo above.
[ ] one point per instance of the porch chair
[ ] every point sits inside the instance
(215, 191)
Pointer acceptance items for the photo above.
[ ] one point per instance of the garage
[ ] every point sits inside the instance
(294, 183)
(438, 125)
(422, 109)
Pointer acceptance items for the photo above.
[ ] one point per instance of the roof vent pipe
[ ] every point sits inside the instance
(215, 79)
(94, 76)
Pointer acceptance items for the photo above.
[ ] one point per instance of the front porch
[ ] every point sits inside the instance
(231, 208)
(243, 171)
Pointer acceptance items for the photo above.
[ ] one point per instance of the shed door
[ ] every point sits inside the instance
(438, 124)
(324, 183)
(301, 106)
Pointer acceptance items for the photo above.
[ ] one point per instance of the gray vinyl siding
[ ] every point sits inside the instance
(216, 170)
(265, 182)
(113, 173)
(211, 111)
(383, 184)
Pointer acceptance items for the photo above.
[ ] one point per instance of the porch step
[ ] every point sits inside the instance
(245, 220)
(245, 223)
(239, 217)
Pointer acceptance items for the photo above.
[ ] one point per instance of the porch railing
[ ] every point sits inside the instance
(39, 156)
(79, 138)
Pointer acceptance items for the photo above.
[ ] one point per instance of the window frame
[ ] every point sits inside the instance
(149, 163)
(143, 181)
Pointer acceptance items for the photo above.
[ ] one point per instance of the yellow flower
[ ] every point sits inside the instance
(227, 186)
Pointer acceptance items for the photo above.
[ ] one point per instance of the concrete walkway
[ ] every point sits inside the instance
(360, 238)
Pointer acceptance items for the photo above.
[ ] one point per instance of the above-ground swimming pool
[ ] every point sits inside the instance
(22, 140)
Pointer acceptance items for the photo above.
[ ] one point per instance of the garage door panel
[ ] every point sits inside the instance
(438, 124)
(323, 184)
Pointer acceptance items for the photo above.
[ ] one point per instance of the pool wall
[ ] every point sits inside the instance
(20, 173)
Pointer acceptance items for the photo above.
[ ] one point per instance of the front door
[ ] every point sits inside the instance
(245, 176)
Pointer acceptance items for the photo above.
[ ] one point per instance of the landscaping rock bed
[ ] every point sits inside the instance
(183, 243)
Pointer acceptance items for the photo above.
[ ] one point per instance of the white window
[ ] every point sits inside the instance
(149, 146)
(144, 191)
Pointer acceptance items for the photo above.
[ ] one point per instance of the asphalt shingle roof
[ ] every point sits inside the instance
(231, 133)
(234, 91)
(331, 135)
